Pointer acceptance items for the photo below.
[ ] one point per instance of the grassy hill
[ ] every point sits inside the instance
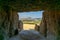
(31, 21)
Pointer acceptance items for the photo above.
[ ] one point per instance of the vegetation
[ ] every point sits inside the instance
(31, 21)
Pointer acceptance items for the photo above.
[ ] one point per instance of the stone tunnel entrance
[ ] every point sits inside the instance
(50, 19)
(30, 20)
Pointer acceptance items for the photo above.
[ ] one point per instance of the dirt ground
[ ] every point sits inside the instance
(28, 26)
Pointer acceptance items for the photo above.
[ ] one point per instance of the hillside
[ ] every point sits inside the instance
(31, 20)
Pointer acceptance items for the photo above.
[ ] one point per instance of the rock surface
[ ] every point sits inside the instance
(28, 35)
(20, 25)
(8, 22)
(37, 27)
(51, 16)
(50, 24)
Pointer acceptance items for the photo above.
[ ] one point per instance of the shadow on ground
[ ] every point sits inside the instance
(28, 35)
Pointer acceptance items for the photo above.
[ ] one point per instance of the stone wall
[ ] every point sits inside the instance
(8, 22)
(20, 25)
(13, 22)
(37, 27)
(50, 23)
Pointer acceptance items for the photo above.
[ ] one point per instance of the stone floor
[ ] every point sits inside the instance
(32, 35)
(51, 37)
(28, 35)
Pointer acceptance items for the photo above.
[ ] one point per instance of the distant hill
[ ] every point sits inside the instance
(31, 20)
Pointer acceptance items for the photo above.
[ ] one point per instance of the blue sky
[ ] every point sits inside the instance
(34, 14)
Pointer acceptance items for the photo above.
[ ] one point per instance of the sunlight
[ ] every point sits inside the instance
(29, 19)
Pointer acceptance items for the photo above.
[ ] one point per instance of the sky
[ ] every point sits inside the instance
(34, 14)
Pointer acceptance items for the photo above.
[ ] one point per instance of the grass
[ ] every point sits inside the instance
(27, 25)
(32, 22)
